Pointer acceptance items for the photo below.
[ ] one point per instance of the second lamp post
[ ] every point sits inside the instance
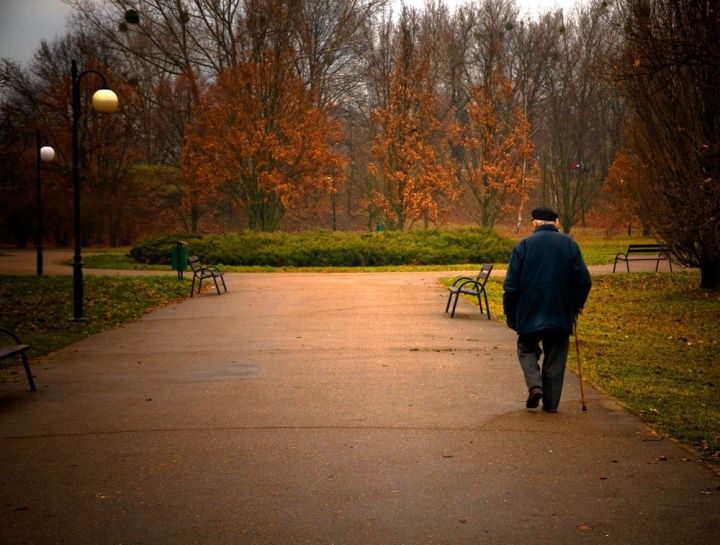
(42, 153)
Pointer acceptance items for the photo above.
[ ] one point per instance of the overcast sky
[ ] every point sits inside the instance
(23, 23)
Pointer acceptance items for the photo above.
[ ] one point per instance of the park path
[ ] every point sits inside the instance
(328, 408)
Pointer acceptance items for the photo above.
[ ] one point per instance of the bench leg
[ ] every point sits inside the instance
(217, 288)
(192, 288)
(447, 307)
(457, 296)
(26, 364)
(487, 306)
(222, 279)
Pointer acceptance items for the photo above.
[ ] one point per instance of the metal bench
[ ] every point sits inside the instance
(203, 272)
(471, 286)
(9, 351)
(659, 252)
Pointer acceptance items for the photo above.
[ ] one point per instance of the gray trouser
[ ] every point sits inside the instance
(550, 378)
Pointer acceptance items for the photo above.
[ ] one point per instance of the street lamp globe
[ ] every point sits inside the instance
(47, 153)
(105, 101)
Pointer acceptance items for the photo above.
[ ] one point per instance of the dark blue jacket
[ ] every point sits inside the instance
(547, 283)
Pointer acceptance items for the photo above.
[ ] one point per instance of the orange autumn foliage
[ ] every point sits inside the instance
(409, 164)
(493, 151)
(623, 189)
(259, 140)
(108, 149)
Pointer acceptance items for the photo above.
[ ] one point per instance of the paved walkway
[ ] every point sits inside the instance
(328, 408)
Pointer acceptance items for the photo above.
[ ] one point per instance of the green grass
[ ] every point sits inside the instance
(117, 261)
(601, 251)
(321, 251)
(113, 261)
(39, 308)
(651, 340)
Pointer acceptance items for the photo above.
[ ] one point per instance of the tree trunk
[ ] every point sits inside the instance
(710, 275)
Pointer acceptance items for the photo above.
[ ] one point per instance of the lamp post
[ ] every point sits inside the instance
(104, 101)
(42, 153)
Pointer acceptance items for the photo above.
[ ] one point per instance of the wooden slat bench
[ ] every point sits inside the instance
(10, 351)
(471, 286)
(644, 252)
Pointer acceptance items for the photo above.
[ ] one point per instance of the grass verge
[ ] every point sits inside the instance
(596, 251)
(602, 251)
(114, 261)
(651, 340)
(117, 261)
(39, 308)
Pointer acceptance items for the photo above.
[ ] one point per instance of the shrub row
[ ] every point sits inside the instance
(333, 248)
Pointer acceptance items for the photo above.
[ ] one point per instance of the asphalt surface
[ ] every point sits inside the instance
(328, 408)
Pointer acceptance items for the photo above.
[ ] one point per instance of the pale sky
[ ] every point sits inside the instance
(23, 23)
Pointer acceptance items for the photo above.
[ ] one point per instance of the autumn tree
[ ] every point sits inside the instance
(625, 180)
(408, 171)
(493, 149)
(259, 139)
(18, 106)
(668, 72)
(184, 45)
(108, 145)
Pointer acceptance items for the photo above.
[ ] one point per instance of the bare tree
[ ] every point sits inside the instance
(669, 71)
(581, 117)
(532, 50)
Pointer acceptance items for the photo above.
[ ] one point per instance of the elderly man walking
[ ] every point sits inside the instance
(546, 286)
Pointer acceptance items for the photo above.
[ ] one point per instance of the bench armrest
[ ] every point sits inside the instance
(210, 269)
(471, 281)
(461, 279)
(10, 334)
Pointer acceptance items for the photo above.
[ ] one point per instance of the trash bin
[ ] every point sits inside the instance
(179, 258)
(380, 228)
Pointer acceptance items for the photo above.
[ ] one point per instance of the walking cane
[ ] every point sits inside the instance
(577, 349)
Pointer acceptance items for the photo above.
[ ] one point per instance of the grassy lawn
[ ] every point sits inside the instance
(651, 340)
(598, 248)
(596, 251)
(602, 251)
(117, 261)
(39, 309)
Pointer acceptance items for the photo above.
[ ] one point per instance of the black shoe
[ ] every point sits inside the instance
(534, 398)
